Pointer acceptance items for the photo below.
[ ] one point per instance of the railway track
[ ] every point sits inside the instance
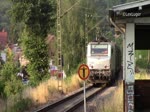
(71, 102)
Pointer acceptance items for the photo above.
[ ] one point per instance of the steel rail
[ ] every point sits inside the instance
(81, 101)
(71, 102)
(50, 106)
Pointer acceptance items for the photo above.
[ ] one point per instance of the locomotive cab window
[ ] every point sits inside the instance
(99, 49)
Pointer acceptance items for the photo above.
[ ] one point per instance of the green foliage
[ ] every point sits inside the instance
(73, 44)
(18, 104)
(36, 51)
(82, 24)
(141, 58)
(9, 83)
(21, 105)
(142, 63)
(38, 16)
(79, 25)
(4, 19)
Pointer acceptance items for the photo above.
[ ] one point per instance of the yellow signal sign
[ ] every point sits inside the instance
(83, 71)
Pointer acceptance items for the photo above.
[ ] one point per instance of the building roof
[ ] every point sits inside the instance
(135, 9)
(138, 13)
(3, 39)
(130, 5)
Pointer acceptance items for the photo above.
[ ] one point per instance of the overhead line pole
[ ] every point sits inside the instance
(59, 16)
(59, 39)
(59, 52)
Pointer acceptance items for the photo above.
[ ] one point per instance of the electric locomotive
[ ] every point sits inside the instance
(104, 61)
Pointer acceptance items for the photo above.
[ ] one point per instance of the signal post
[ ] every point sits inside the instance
(83, 73)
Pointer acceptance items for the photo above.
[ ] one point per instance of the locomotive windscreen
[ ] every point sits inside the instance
(100, 49)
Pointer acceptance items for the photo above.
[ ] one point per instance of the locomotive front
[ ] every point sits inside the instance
(98, 60)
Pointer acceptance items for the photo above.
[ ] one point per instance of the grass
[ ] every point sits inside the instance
(48, 92)
(49, 89)
(45, 92)
(112, 103)
(142, 75)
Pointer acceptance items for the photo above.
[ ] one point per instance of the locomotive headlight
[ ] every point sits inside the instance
(91, 66)
(106, 67)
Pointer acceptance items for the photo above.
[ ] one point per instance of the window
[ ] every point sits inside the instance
(99, 49)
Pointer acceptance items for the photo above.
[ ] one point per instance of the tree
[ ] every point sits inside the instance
(9, 83)
(79, 26)
(38, 16)
(89, 18)
(4, 19)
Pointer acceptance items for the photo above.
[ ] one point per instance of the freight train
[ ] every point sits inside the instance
(104, 61)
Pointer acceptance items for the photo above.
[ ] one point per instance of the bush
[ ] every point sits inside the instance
(142, 63)
(36, 51)
(9, 84)
(21, 105)
(13, 87)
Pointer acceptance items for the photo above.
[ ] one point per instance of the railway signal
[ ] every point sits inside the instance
(83, 73)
